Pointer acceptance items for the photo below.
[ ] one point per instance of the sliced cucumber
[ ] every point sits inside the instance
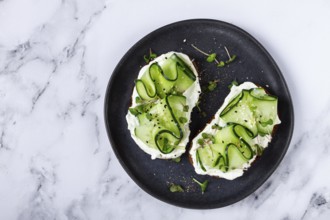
(171, 77)
(219, 154)
(231, 104)
(205, 157)
(240, 113)
(245, 141)
(159, 125)
(144, 90)
(162, 113)
(186, 69)
(235, 157)
(265, 111)
(198, 157)
(250, 113)
(163, 84)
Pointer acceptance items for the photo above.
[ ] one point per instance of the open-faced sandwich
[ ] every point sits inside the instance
(164, 95)
(239, 132)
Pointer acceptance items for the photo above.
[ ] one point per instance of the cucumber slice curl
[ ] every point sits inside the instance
(250, 114)
(162, 111)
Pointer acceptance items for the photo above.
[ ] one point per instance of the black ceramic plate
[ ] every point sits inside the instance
(253, 64)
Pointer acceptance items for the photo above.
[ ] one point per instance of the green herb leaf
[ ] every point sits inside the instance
(183, 120)
(221, 64)
(265, 123)
(185, 108)
(138, 99)
(152, 56)
(232, 58)
(211, 57)
(216, 126)
(212, 85)
(177, 160)
(140, 108)
(149, 58)
(200, 141)
(176, 188)
(202, 185)
(146, 59)
(205, 135)
(133, 111)
(208, 137)
(233, 83)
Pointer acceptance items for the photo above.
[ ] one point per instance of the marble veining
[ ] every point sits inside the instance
(56, 58)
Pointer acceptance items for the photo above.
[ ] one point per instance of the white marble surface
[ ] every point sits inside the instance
(56, 58)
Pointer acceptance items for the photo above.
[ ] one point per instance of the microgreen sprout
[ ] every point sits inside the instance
(213, 57)
(212, 85)
(177, 159)
(150, 57)
(183, 120)
(230, 58)
(176, 188)
(265, 123)
(233, 83)
(185, 108)
(202, 185)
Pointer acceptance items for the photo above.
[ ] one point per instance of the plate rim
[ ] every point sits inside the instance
(133, 176)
